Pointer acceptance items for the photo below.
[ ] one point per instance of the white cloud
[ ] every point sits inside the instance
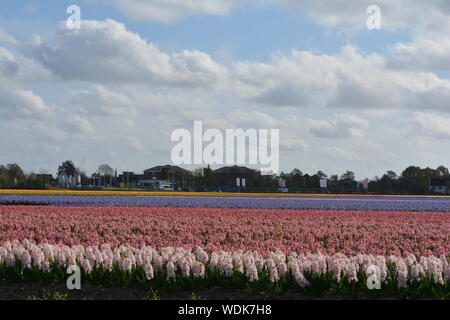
(339, 153)
(293, 144)
(171, 10)
(251, 120)
(135, 143)
(106, 52)
(435, 97)
(427, 21)
(428, 51)
(15, 101)
(395, 14)
(80, 125)
(98, 100)
(131, 95)
(347, 80)
(341, 126)
(9, 67)
(100, 53)
(432, 124)
(430, 44)
(19, 103)
(422, 54)
(6, 37)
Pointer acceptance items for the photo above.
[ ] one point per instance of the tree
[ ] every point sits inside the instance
(204, 177)
(15, 171)
(424, 179)
(410, 173)
(105, 170)
(12, 176)
(3, 181)
(391, 175)
(348, 175)
(387, 182)
(415, 180)
(34, 182)
(334, 177)
(179, 178)
(296, 179)
(208, 177)
(442, 171)
(321, 174)
(67, 168)
(84, 180)
(198, 177)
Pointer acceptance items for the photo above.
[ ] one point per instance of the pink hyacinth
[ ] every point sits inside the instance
(170, 270)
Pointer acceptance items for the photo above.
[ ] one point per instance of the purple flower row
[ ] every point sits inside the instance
(337, 203)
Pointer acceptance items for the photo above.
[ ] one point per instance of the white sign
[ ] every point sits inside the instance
(323, 183)
(365, 184)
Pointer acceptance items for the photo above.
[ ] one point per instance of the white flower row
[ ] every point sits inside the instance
(193, 262)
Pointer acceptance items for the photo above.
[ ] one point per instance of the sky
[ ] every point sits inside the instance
(343, 97)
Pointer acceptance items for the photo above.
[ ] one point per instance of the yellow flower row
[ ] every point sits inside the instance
(185, 194)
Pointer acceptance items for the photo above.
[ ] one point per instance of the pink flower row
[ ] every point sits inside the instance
(187, 263)
(262, 230)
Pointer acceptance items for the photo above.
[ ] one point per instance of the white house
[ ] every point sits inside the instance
(440, 185)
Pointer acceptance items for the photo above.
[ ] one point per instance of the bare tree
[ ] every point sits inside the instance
(105, 170)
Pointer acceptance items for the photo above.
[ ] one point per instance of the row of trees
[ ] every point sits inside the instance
(69, 169)
(104, 173)
(12, 176)
(206, 178)
(412, 180)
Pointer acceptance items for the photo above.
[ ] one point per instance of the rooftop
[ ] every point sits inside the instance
(167, 167)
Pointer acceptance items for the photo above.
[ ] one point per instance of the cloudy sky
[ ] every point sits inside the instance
(344, 97)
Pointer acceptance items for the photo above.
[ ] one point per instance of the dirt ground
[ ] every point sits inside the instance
(21, 291)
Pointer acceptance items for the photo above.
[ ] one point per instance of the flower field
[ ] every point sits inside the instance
(180, 268)
(254, 243)
(330, 232)
(260, 202)
(196, 194)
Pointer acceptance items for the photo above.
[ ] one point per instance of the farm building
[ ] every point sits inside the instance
(440, 185)
(166, 172)
(156, 178)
